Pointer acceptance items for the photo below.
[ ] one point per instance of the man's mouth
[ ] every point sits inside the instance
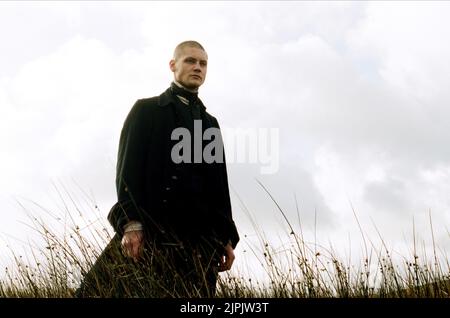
(196, 76)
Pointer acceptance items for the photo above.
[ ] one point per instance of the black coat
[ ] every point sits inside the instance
(154, 190)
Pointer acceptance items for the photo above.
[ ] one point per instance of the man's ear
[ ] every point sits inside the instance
(172, 65)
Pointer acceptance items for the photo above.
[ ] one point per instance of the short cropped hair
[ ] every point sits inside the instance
(182, 45)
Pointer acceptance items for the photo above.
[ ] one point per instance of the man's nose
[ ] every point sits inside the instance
(197, 67)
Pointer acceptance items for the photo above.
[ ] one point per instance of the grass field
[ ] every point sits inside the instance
(302, 270)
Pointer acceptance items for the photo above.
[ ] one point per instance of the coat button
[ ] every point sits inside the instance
(174, 177)
(168, 188)
(164, 201)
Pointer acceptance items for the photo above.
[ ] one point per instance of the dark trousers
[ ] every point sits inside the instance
(165, 270)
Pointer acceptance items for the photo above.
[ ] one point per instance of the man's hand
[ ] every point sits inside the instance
(132, 244)
(227, 259)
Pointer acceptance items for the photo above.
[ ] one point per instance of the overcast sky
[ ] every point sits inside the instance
(357, 90)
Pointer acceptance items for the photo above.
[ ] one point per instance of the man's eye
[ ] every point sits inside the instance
(191, 61)
(203, 63)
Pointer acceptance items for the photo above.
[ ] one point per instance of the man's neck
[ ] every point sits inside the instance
(184, 87)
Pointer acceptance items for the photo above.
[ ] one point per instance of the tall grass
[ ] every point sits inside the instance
(301, 269)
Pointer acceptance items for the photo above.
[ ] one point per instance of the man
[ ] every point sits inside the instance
(173, 218)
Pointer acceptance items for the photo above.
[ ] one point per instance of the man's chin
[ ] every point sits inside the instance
(192, 85)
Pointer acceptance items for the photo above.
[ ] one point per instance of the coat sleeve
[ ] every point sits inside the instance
(230, 231)
(130, 170)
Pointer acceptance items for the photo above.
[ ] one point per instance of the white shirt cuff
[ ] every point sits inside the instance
(133, 226)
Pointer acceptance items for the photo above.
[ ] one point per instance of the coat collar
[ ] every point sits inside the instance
(167, 98)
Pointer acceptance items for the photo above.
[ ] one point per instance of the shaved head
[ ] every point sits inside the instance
(189, 64)
(180, 47)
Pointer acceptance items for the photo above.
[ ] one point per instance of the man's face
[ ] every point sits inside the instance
(189, 68)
